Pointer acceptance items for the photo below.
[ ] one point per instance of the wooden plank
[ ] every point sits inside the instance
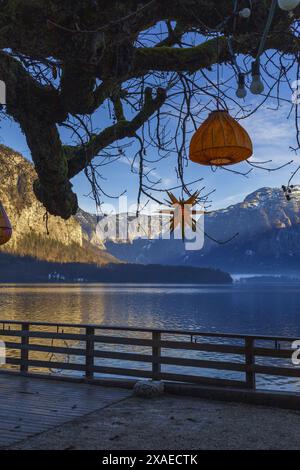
(135, 357)
(202, 380)
(276, 353)
(47, 364)
(82, 337)
(218, 348)
(123, 340)
(44, 334)
(273, 370)
(122, 371)
(47, 349)
(219, 365)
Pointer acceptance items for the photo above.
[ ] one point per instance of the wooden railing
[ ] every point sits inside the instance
(90, 351)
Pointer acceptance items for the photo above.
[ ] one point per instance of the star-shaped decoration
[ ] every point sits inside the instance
(181, 212)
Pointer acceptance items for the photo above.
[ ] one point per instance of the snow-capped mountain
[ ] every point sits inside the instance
(265, 228)
(122, 228)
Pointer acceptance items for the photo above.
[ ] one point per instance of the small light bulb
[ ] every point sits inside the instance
(241, 92)
(257, 86)
(245, 13)
(288, 5)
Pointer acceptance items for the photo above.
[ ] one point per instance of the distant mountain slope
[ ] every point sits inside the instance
(64, 241)
(268, 228)
(88, 223)
(93, 227)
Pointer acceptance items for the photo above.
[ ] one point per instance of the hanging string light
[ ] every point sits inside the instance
(241, 92)
(245, 13)
(257, 86)
(288, 5)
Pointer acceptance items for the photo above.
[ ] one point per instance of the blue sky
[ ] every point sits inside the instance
(272, 134)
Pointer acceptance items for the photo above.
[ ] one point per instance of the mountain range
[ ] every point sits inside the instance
(258, 235)
(264, 230)
(264, 234)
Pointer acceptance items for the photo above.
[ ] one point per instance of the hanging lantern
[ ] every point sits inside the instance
(288, 5)
(5, 227)
(220, 140)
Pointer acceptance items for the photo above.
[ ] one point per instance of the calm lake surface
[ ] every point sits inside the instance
(263, 309)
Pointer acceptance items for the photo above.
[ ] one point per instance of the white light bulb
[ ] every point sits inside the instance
(245, 13)
(288, 5)
(257, 86)
(241, 92)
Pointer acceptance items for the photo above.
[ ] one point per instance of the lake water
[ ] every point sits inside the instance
(259, 309)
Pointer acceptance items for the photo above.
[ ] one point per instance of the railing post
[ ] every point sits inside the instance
(89, 352)
(250, 362)
(24, 349)
(156, 366)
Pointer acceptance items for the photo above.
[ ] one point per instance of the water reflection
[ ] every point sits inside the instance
(259, 309)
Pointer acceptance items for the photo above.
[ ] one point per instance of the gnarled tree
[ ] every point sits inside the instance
(142, 61)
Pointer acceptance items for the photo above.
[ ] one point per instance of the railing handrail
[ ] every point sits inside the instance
(151, 330)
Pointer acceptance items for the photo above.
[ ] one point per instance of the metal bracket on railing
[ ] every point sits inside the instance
(194, 339)
(277, 345)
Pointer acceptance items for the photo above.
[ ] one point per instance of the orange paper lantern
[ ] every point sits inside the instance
(5, 227)
(220, 140)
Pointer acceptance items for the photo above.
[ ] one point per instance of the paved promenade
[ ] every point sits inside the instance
(46, 414)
